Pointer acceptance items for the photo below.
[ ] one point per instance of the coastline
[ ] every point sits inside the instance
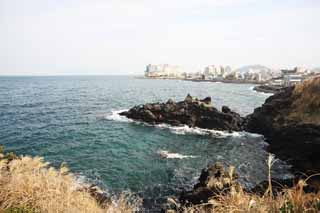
(284, 120)
(268, 88)
(203, 80)
(202, 108)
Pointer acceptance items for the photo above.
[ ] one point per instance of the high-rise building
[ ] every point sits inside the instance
(163, 71)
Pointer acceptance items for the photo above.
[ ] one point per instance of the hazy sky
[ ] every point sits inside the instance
(53, 37)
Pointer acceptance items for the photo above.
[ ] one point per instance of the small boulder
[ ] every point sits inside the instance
(147, 106)
(150, 116)
(188, 99)
(157, 107)
(170, 101)
(169, 108)
(226, 109)
(207, 101)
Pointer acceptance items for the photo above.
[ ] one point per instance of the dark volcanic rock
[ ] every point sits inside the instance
(191, 112)
(299, 145)
(213, 180)
(262, 120)
(290, 122)
(207, 100)
(268, 88)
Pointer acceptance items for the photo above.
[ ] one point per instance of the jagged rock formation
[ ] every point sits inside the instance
(290, 121)
(214, 180)
(191, 112)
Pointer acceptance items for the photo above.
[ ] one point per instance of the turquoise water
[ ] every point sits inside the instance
(74, 120)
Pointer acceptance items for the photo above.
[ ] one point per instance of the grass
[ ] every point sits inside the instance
(288, 200)
(306, 104)
(28, 184)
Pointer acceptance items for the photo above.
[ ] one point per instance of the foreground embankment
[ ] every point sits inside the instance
(218, 190)
(29, 185)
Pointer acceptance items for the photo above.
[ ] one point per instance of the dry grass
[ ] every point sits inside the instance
(306, 103)
(30, 184)
(289, 200)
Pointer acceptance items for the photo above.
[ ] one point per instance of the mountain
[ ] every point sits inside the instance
(245, 69)
(316, 70)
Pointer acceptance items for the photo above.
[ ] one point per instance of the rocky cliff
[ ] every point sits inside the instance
(290, 121)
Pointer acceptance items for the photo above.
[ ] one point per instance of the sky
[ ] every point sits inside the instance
(117, 37)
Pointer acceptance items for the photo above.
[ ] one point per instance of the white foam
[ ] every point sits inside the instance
(260, 92)
(115, 116)
(172, 155)
(183, 130)
(81, 182)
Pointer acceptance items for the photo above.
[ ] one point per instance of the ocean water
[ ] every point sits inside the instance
(75, 120)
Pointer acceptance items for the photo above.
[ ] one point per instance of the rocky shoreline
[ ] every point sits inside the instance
(289, 120)
(291, 127)
(268, 88)
(292, 140)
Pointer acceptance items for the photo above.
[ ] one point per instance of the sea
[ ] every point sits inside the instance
(75, 120)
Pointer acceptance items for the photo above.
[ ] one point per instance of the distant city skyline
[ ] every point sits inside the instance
(117, 37)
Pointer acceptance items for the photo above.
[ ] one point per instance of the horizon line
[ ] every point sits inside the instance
(66, 75)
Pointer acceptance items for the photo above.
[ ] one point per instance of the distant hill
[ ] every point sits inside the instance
(317, 70)
(245, 69)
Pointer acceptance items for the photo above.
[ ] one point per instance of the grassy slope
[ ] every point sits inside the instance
(31, 185)
(306, 104)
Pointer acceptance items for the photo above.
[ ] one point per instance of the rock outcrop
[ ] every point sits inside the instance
(213, 181)
(191, 112)
(268, 88)
(290, 121)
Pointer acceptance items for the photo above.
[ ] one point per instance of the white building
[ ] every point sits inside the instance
(216, 72)
(290, 80)
(163, 71)
(276, 81)
(292, 77)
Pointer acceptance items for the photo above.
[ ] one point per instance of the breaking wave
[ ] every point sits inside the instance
(172, 155)
(115, 116)
(182, 130)
(260, 93)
